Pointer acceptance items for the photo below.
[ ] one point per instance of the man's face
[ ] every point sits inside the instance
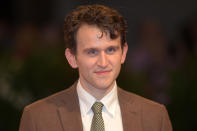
(98, 58)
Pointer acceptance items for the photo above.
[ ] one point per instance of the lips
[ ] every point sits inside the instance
(103, 72)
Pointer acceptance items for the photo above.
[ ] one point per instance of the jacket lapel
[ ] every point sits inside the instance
(130, 111)
(69, 114)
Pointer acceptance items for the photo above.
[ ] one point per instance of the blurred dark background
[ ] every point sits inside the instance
(161, 64)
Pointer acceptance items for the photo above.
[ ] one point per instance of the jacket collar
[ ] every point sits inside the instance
(70, 112)
(130, 111)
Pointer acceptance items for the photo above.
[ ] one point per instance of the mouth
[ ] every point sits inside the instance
(102, 72)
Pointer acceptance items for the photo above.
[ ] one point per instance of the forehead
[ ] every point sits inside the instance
(91, 35)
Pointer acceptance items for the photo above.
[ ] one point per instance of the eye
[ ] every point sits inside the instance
(92, 52)
(111, 50)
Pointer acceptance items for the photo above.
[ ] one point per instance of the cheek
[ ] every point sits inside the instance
(116, 60)
(86, 64)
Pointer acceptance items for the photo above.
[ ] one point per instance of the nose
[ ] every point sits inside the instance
(102, 60)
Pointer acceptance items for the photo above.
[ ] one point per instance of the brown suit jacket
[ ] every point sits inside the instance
(61, 112)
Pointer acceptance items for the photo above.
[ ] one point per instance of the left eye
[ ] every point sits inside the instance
(110, 50)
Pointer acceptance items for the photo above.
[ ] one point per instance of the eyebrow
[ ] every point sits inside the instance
(113, 46)
(116, 47)
(88, 49)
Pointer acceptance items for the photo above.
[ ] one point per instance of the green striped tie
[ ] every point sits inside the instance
(97, 120)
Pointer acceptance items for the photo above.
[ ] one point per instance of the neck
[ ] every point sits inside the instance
(97, 93)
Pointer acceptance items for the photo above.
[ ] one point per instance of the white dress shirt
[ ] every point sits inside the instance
(111, 110)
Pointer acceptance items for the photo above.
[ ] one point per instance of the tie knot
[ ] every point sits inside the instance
(97, 107)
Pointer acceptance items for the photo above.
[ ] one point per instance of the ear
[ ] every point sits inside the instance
(124, 53)
(71, 58)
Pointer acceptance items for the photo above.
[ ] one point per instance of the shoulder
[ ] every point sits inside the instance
(145, 105)
(152, 115)
(47, 111)
(53, 101)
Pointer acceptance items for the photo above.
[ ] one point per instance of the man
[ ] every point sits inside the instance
(96, 45)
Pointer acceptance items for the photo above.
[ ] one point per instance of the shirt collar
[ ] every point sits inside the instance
(86, 99)
(109, 101)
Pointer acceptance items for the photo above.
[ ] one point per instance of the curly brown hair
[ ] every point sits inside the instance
(105, 18)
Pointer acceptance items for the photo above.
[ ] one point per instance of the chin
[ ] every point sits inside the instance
(103, 86)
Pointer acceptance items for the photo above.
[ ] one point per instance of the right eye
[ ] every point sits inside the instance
(92, 52)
